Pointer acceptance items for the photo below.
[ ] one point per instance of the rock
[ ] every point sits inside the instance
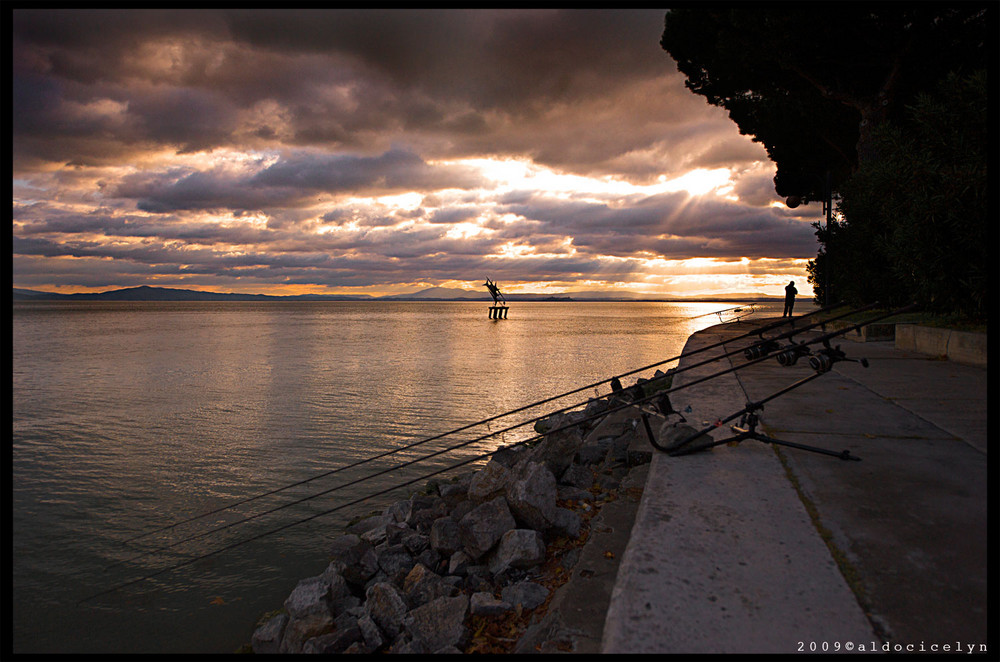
(484, 604)
(395, 531)
(451, 490)
(556, 450)
(635, 456)
(459, 563)
(396, 562)
(618, 452)
(614, 424)
(478, 578)
(607, 482)
(439, 623)
(592, 453)
(267, 638)
(444, 536)
(345, 632)
(310, 608)
(376, 535)
(425, 511)
(518, 548)
(310, 597)
(405, 645)
(370, 632)
(489, 482)
(354, 559)
(567, 522)
(368, 523)
(386, 607)
(672, 436)
(482, 527)
(509, 456)
(595, 407)
(578, 475)
(377, 578)
(300, 630)
(447, 650)
(456, 489)
(400, 511)
(527, 594)
(461, 509)
(423, 585)
(432, 560)
(415, 542)
(532, 496)
(567, 493)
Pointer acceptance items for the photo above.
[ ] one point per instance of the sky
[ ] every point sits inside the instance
(382, 152)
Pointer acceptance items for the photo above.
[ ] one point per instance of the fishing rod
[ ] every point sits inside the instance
(770, 345)
(822, 362)
(250, 499)
(749, 417)
(716, 312)
(475, 458)
(633, 403)
(764, 348)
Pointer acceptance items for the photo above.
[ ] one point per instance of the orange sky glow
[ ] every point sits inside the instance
(296, 152)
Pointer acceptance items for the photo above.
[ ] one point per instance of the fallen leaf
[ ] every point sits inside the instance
(217, 600)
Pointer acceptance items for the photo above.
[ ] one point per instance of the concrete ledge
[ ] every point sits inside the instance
(958, 346)
(870, 333)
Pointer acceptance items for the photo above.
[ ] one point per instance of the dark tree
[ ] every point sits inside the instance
(812, 81)
(890, 100)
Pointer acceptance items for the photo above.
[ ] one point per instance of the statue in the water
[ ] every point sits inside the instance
(494, 291)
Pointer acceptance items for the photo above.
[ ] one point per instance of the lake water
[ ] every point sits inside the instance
(131, 416)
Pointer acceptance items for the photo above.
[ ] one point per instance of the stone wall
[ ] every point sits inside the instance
(959, 346)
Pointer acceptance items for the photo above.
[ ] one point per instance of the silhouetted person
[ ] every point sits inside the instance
(790, 293)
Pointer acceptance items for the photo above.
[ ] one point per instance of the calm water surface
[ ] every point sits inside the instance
(131, 416)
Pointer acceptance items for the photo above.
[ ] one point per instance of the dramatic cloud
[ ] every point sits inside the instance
(381, 151)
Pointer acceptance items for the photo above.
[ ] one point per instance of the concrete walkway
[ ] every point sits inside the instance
(761, 548)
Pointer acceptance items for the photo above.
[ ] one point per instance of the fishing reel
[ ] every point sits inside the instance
(790, 355)
(823, 360)
(761, 349)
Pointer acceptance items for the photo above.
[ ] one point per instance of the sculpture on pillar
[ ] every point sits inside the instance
(496, 310)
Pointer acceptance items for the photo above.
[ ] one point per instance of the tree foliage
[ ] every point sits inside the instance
(890, 100)
(917, 216)
(811, 81)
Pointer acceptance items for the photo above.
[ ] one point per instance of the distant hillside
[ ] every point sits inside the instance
(442, 293)
(458, 294)
(147, 293)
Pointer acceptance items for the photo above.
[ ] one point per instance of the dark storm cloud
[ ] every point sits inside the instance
(458, 81)
(240, 145)
(293, 180)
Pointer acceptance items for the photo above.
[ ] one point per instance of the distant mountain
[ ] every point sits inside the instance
(458, 294)
(147, 293)
(640, 296)
(442, 293)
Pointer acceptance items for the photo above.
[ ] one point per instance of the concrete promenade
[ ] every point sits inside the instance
(761, 548)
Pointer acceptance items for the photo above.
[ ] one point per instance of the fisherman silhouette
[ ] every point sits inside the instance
(790, 293)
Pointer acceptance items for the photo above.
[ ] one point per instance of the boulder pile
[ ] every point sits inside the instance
(410, 579)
